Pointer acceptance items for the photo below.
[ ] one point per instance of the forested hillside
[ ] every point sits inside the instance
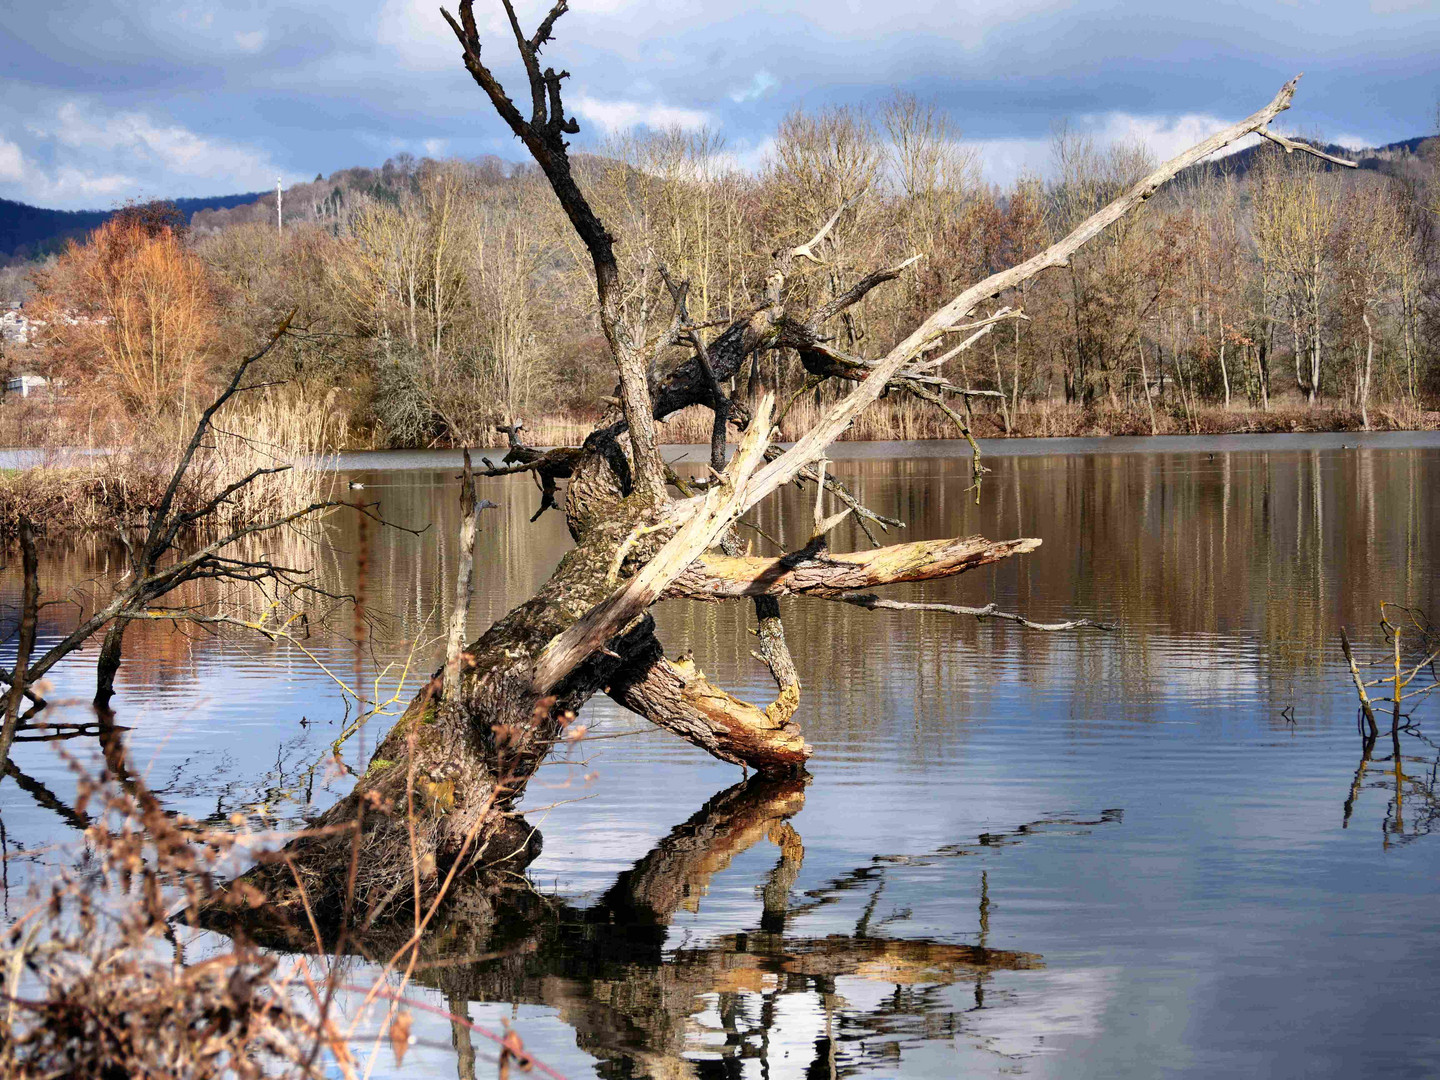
(27, 232)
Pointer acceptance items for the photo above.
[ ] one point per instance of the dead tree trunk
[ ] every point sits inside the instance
(438, 796)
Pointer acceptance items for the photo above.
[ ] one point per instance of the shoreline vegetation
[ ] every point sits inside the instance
(81, 488)
(907, 421)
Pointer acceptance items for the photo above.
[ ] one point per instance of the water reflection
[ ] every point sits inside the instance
(1231, 907)
(645, 1006)
(1409, 782)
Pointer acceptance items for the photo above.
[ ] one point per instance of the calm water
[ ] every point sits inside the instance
(1029, 854)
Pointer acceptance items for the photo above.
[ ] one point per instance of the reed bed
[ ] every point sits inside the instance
(77, 483)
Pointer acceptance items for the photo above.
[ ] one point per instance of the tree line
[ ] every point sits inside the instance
(439, 299)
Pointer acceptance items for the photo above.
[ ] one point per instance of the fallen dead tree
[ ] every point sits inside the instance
(437, 798)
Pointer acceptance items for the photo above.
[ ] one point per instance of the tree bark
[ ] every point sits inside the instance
(108, 665)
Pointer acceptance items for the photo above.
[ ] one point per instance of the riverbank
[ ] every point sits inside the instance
(88, 490)
(910, 421)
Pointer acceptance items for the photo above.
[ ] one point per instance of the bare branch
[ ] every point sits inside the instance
(545, 139)
(846, 497)
(714, 576)
(857, 292)
(154, 544)
(989, 611)
(1292, 145)
(976, 469)
(807, 249)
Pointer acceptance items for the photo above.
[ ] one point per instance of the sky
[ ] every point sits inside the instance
(106, 100)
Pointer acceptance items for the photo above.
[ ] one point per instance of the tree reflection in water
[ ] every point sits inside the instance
(698, 1010)
(701, 1010)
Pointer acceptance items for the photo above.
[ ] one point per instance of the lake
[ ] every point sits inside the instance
(1144, 852)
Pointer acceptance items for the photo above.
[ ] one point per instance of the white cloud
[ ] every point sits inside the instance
(1164, 136)
(436, 148)
(417, 35)
(759, 86)
(78, 154)
(1002, 161)
(617, 116)
(136, 138)
(12, 162)
(748, 157)
(250, 40)
(69, 184)
(1351, 142)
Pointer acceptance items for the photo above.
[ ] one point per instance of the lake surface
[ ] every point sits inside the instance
(1088, 854)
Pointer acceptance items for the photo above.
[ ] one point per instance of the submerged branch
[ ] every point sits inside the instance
(872, 602)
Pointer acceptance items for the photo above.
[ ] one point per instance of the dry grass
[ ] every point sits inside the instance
(79, 484)
(97, 981)
(95, 990)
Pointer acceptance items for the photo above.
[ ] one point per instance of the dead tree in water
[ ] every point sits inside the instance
(454, 765)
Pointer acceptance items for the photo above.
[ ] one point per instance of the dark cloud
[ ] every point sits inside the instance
(311, 86)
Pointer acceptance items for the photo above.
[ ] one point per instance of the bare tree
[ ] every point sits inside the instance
(1296, 213)
(462, 760)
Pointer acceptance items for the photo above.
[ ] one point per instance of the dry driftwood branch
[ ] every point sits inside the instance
(807, 249)
(846, 497)
(714, 576)
(464, 589)
(1290, 146)
(989, 611)
(981, 328)
(678, 697)
(1365, 705)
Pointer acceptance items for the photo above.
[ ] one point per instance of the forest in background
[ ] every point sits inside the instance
(436, 300)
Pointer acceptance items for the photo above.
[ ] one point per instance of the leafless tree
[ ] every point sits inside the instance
(462, 759)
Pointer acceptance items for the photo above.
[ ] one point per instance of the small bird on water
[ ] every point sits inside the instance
(355, 485)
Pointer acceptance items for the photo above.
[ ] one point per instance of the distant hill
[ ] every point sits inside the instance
(29, 231)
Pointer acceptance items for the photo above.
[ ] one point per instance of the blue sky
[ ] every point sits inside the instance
(136, 98)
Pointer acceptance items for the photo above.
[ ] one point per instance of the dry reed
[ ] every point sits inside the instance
(75, 482)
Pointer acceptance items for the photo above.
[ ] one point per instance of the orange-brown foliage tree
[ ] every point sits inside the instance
(131, 314)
